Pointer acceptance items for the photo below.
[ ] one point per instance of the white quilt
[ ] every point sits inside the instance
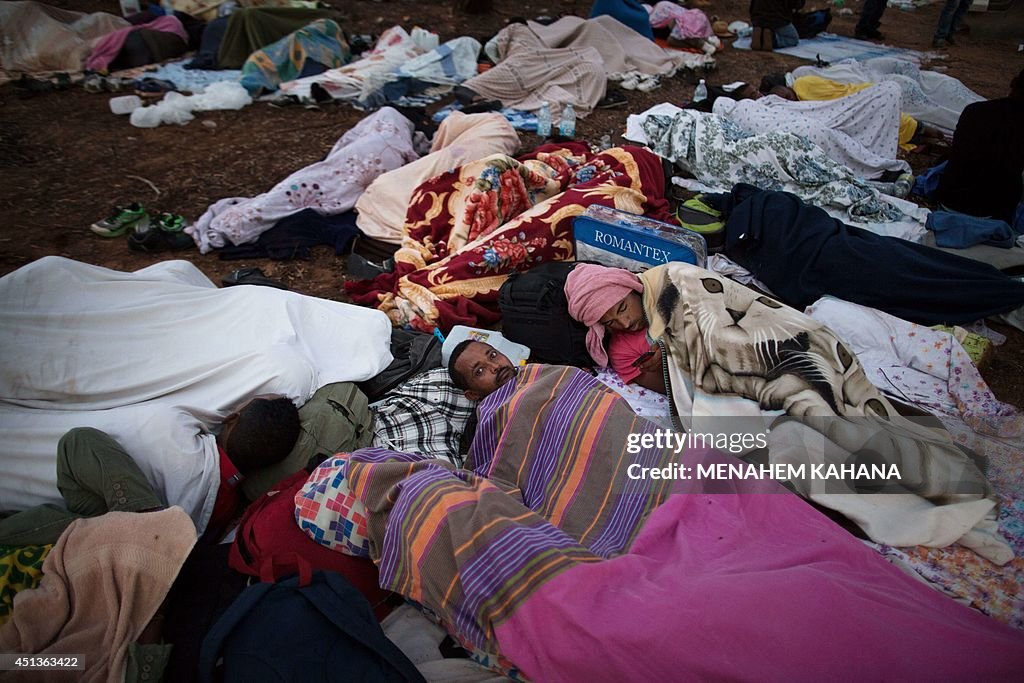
(156, 358)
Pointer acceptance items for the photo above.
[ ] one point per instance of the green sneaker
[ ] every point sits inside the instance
(699, 217)
(170, 222)
(121, 220)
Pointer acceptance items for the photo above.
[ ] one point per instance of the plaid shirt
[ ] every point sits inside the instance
(426, 415)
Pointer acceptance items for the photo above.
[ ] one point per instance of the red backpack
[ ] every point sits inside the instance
(268, 539)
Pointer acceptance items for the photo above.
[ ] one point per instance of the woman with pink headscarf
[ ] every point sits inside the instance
(727, 352)
(609, 300)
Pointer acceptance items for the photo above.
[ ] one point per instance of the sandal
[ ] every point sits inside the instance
(251, 276)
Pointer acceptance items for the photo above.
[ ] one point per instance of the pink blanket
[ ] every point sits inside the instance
(750, 587)
(107, 47)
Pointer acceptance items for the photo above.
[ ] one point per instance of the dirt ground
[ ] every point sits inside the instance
(65, 160)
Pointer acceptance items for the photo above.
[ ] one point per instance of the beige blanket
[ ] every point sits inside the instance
(566, 62)
(102, 583)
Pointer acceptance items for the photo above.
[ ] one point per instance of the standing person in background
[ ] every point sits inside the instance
(952, 15)
(870, 19)
(773, 23)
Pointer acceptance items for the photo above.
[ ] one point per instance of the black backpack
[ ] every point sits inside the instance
(312, 628)
(413, 353)
(535, 312)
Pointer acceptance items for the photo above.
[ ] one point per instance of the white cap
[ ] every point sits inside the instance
(516, 353)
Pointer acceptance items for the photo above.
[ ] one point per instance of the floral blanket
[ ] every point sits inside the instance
(720, 153)
(467, 229)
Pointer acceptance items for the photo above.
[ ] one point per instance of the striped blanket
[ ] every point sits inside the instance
(547, 555)
(549, 489)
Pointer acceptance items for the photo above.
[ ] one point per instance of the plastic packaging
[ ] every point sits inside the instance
(567, 124)
(125, 104)
(544, 120)
(130, 7)
(624, 240)
(700, 93)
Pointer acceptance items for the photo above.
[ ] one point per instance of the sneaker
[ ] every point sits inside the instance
(648, 84)
(156, 240)
(940, 43)
(121, 220)
(170, 222)
(630, 82)
(694, 214)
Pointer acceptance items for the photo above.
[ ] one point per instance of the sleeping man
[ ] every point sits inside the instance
(558, 534)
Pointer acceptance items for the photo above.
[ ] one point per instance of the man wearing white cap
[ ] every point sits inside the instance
(481, 361)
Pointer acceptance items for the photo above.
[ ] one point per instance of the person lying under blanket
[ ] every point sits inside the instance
(860, 131)
(731, 352)
(816, 89)
(157, 359)
(95, 474)
(554, 553)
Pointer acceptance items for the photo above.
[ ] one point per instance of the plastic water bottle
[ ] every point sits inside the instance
(544, 120)
(903, 185)
(567, 125)
(700, 93)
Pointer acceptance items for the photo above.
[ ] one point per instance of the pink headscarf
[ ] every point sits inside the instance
(591, 290)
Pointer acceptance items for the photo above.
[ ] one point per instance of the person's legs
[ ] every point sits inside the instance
(870, 18)
(958, 17)
(786, 36)
(945, 25)
(39, 525)
(95, 476)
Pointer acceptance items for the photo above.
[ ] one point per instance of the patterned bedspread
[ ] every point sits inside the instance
(467, 229)
(994, 590)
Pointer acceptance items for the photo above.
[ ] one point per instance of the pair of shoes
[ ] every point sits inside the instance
(648, 83)
(121, 220)
(631, 80)
(869, 34)
(251, 276)
(156, 239)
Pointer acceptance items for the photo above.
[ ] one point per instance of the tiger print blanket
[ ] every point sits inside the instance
(731, 352)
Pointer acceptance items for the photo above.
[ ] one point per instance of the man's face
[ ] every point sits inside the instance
(625, 316)
(484, 368)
